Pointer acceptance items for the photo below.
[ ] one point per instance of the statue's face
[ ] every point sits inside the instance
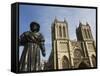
(34, 28)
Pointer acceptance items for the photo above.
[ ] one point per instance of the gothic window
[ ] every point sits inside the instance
(93, 60)
(77, 53)
(65, 62)
(90, 33)
(60, 32)
(83, 32)
(64, 32)
(83, 65)
(86, 35)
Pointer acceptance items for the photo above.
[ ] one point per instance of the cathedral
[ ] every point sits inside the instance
(71, 54)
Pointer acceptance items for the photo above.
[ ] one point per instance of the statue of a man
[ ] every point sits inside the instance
(33, 42)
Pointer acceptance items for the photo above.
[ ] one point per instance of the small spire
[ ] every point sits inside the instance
(80, 24)
(65, 20)
(76, 26)
(87, 24)
(79, 21)
(55, 19)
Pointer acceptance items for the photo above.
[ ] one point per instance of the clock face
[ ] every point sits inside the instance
(77, 53)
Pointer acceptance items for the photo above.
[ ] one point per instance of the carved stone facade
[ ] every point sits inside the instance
(70, 54)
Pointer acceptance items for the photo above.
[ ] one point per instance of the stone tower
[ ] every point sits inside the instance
(60, 45)
(71, 54)
(84, 35)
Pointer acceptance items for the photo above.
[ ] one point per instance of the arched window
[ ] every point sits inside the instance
(60, 31)
(77, 53)
(83, 65)
(90, 34)
(93, 60)
(86, 35)
(64, 32)
(65, 62)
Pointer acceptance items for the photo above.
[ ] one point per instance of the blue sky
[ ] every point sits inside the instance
(45, 15)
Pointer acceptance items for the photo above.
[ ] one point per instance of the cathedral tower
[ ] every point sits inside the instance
(71, 54)
(60, 45)
(84, 35)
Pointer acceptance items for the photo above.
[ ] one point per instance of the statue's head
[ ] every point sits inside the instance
(34, 26)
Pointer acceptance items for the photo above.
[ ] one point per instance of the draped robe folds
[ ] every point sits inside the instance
(30, 58)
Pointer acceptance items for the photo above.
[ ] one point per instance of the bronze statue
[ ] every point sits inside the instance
(33, 42)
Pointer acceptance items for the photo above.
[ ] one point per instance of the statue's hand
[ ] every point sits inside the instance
(43, 53)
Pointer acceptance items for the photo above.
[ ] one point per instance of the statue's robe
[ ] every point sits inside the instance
(30, 58)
